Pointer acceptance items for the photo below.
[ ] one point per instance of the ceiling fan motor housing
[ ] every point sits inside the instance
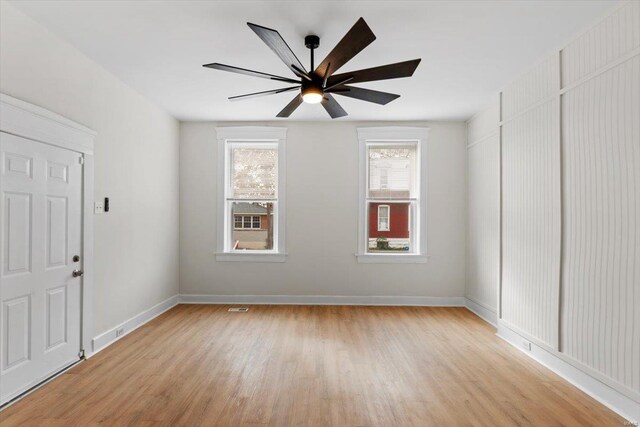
(314, 85)
(312, 92)
(312, 42)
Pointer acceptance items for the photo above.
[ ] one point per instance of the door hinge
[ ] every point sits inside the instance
(81, 160)
(81, 354)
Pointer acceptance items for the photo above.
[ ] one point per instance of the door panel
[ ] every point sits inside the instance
(56, 318)
(56, 235)
(16, 331)
(17, 164)
(18, 231)
(41, 232)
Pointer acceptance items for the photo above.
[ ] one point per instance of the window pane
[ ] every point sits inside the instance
(252, 236)
(237, 221)
(254, 173)
(392, 171)
(389, 227)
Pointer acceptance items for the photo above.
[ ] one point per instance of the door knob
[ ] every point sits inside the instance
(77, 273)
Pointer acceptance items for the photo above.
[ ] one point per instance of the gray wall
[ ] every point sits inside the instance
(322, 215)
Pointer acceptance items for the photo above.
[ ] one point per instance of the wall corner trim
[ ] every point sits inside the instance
(483, 312)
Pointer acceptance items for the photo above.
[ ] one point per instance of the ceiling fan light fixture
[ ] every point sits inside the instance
(312, 95)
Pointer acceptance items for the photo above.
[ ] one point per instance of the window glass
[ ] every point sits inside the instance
(254, 173)
(391, 196)
(392, 171)
(389, 227)
(251, 236)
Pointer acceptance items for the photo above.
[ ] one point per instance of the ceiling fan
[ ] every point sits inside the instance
(318, 85)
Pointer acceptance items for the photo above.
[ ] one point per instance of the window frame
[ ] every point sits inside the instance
(388, 136)
(249, 137)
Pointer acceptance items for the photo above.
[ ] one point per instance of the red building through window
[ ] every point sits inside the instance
(389, 225)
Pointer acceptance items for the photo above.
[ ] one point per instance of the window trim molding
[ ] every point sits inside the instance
(258, 134)
(394, 134)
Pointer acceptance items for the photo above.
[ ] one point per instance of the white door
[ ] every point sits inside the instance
(41, 233)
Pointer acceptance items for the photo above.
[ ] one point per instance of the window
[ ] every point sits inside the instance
(250, 189)
(383, 218)
(384, 178)
(392, 195)
(245, 221)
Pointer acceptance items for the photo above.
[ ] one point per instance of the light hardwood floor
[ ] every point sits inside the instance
(310, 365)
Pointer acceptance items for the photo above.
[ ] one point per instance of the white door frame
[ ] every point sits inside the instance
(36, 123)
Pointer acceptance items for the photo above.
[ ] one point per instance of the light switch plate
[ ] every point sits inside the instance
(98, 207)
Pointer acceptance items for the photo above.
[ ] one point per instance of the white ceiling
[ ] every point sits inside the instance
(469, 49)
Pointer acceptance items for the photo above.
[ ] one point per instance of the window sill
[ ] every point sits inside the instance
(249, 257)
(391, 259)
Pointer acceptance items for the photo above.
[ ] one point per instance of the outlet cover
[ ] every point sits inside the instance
(526, 345)
(98, 207)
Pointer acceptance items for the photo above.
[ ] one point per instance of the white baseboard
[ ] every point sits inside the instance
(323, 300)
(603, 393)
(487, 314)
(109, 337)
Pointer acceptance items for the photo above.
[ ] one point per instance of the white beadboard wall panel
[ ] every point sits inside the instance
(531, 222)
(569, 234)
(612, 38)
(484, 124)
(483, 227)
(601, 219)
(538, 84)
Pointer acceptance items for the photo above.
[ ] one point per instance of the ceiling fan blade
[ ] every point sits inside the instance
(333, 108)
(377, 97)
(244, 71)
(263, 93)
(291, 107)
(383, 72)
(356, 39)
(300, 73)
(338, 83)
(274, 40)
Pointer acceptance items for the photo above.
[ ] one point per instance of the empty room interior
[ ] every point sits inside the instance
(320, 213)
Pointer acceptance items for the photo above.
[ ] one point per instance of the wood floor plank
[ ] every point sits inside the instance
(199, 365)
